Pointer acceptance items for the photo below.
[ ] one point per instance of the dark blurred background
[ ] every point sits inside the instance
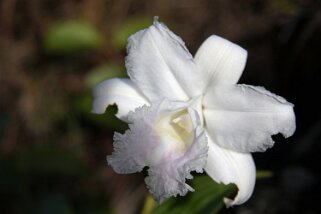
(53, 52)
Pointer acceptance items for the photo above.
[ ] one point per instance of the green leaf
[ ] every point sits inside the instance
(207, 198)
(66, 37)
(263, 174)
(131, 26)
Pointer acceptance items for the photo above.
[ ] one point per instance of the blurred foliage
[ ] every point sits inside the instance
(4, 122)
(289, 7)
(45, 178)
(108, 121)
(264, 174)
(83, 103)
(65, 37)
(104, 72)
(131, 26)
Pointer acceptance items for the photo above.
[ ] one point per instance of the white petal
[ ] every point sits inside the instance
(220, 61)
(169, 164)
(161, 66)
(243, 118)
(226, 166)
(121, 92)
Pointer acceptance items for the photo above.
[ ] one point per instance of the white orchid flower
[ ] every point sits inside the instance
(188, 114)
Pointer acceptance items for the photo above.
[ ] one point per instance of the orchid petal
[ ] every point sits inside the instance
(161, 66)
(168, 179)
(227, 166)
(169, 162)
(121, 92)
(220, 61)
(243, 118)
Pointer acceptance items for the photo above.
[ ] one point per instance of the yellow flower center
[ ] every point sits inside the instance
(176, 128)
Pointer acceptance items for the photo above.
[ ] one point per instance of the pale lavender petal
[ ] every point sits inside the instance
(168, 178)
(150, 141)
